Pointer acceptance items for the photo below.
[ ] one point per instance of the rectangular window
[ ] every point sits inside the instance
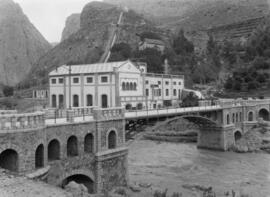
(159, 82)
(53, 81)
(179, 83)
(167, 83)
(174, 83)
(89, 80)
(147, 92)
(75, 80)
(146, 82)
(104, 79)
(167, 92)
(174, 92)
(159, 92)
(60, 80)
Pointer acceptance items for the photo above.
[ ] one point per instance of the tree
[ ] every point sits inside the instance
(8, 91)
(190, 100)
(121, 52)
(182, 45)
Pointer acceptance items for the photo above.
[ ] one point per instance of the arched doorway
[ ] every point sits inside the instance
(237, 136)
(128, 106)
(72, 146)
(89, 100)
(39, 156)
(139, 106)
(75, 100)
(80, 179)
(112, 140)
(264, 114)
(54, 104)
(54, 150)
(89, 143)
(104, 101)
(9, 160)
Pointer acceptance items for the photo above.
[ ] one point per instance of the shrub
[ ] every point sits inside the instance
(8, 91)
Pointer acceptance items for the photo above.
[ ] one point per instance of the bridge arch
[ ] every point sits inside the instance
(237, 135)
(72, 146)
(54, 150)
(81, 176)
(111, 138)
(9, 159)
(264, 114)
(250, 116)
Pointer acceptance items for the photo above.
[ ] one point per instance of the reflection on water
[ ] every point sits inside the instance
(171, 165)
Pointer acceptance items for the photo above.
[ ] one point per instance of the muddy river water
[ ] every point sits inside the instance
(172, 165)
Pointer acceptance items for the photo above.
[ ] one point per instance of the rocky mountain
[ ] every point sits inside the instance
(196, 14)
(21, 44)
(72, 26)
(97, 22)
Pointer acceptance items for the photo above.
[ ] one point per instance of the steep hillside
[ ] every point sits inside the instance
(72, 26)
(21, 44)
(88, 44)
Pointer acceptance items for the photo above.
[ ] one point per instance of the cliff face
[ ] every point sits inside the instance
(72, 26)
(87, 45)
(21, 44)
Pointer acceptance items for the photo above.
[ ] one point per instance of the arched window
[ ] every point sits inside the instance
(233, 118)
(128, 106)
(127, 86)
(228, 119)
(123, 86)
(72, 146)
(112, 140)
(264, 114)
(39, 156)
(135, 86)
(237, 117)
(54, 150)
(75, 100)
(9, 160)
(131, 86)
(104, 101)
(240, 116)
(54, 104)
(89, 100)
(250, 116)
(89, 143)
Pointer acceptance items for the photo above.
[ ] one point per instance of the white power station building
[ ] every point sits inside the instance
(113, 84)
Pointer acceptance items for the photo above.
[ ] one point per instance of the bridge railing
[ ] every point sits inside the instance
(8, 112)
(108, 113)
(22, 121)
(53, 113)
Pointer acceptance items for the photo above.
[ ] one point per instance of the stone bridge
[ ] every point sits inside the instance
(91, 149)
(92, 152)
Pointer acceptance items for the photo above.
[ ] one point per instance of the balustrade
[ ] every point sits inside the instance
(107, 114)
(22, 121)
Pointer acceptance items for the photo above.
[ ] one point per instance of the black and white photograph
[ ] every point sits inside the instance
(134, 98)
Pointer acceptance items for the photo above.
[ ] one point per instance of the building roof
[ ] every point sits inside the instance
(88, 68)
(154, 41)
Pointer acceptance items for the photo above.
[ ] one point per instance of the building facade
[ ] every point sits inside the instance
(114, 84)
(152, 43)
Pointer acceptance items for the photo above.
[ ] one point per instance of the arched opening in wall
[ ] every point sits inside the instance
(54, 101)
(139, 106)
(237, 136)
(127, 86)
(54, 150)
(123, 86)
(233, 118)
(80, 179)
(131, 86)
(39, 156)
(89, 100)
(112, 140)
(89, 143)
(250, 116)
(104, 101)
(228, 119)
(236, 118)
(75, 100)
(61, 100)
(135, 86)
(9, 160)
(264, 114)
(72, 146)
(128, 106)
(35, 94)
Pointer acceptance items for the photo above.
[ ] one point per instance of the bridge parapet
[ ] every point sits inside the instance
(8, 112)
(109, 113)
(21, 121)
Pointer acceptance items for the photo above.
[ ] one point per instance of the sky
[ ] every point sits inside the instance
(49, 16)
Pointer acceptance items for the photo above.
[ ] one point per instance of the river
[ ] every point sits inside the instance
(172, 165)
